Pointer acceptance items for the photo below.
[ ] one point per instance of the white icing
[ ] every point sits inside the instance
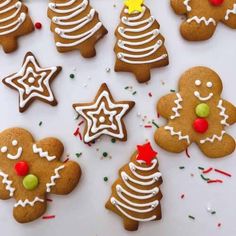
(213, 138)
(230, 11)
(9, 26)
(42, 153)
(139, 26)
(202, 19)
(222, 113)
(177, 107)
(103, 128)
(4, 149)
(53, 178)
(179, 134)
(17, 155)
(198, 82)
(67, 20)
(8, 183)
(209, 84)
(141, 194)
(28, 202)
(14, 142)
(188, 7)
(32, 91)
(197, 95)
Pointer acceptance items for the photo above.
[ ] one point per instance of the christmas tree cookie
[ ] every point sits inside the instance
(140, 46)
(76, 26)
(14, 22)
(197, 113)
(203, 16)
(30, 170)
(135, 194)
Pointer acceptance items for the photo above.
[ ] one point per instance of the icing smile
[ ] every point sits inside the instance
(16, 156)
(197, 94)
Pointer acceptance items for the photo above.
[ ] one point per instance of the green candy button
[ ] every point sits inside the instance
(202, 110)
(30, 182)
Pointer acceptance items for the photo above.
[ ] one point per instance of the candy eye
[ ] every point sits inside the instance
(4, 149)
(14, 142)
(198, 82)
(209, 84)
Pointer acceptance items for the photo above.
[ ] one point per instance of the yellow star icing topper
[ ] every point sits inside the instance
(134, 5)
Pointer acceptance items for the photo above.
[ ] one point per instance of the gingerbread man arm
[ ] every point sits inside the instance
(179, 6)
(50, 148)
(230, 20)
(230, 111)
(4, 193)
(69, 175)
(166, 104)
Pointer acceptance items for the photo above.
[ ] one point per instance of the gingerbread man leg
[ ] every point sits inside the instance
(219, 147)
(170, 142)
(198, 28)
(4, 193)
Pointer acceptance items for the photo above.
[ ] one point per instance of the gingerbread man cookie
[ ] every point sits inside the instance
(203, 16)
(76, 26)
(14, 22)
(104, 116)
(136, 194)
(33, 82)
(197, 113)
(30, 170)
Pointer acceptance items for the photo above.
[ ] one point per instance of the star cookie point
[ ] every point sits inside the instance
(134, 5)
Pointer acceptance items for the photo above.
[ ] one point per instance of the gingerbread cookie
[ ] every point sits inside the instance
(197, 113)
(33, 82)
(135, 194)
(14, 22)
(203, 16)
(140, 46)
(30, 170)
(76, 26)
(104, 116)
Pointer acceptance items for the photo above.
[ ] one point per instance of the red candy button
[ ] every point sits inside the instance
(216, 2)
(21, 168)
(38, 25)
(200, 125)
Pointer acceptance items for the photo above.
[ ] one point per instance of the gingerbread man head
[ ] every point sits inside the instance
(203, 16)
(30, 170)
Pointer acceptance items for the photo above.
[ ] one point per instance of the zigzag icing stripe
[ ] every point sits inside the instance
(53, 178)
(27, 202)
(186, 3)
(213, 138)
(222, 113)
(202, 19)
(42, 153)
(178, 106)
(230, 11)
(179, 134)
(8, 183)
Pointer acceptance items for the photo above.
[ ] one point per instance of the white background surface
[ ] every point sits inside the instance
(82, 212)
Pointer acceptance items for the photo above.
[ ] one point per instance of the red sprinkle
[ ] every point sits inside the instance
(182, 196)
(38, 25)
(219, 225)
(67, 159)
(158, 115)
(186, 151)
(49, 200)
(48, 217)
(80, 136)
(150, 94)
(147, 126)
(76, 132)
(81, 123)
(223, 172)
(207, 170)
(214, 181)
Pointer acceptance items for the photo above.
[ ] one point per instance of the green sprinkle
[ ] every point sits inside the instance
(134, 92)
(105, 154)
(113, 140)
(181, 167)
(172, 90)
(213, 212)
(72, 76)
(204, 178)
(78, 154)
(105, 179)
(200, 168)
(155, 124)
(126, 87)
(40, 123)
(191, 217)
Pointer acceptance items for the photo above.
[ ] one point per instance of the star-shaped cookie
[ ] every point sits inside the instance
(33, 82)
(104, 116)
(134, 5)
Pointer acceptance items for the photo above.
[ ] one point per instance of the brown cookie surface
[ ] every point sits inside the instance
(33, 82)
(135, 194)
(14, 22)
(203, 16)
(140, 46)
(76, 26)
(104, 116)
(31, 170)
(197, 113)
